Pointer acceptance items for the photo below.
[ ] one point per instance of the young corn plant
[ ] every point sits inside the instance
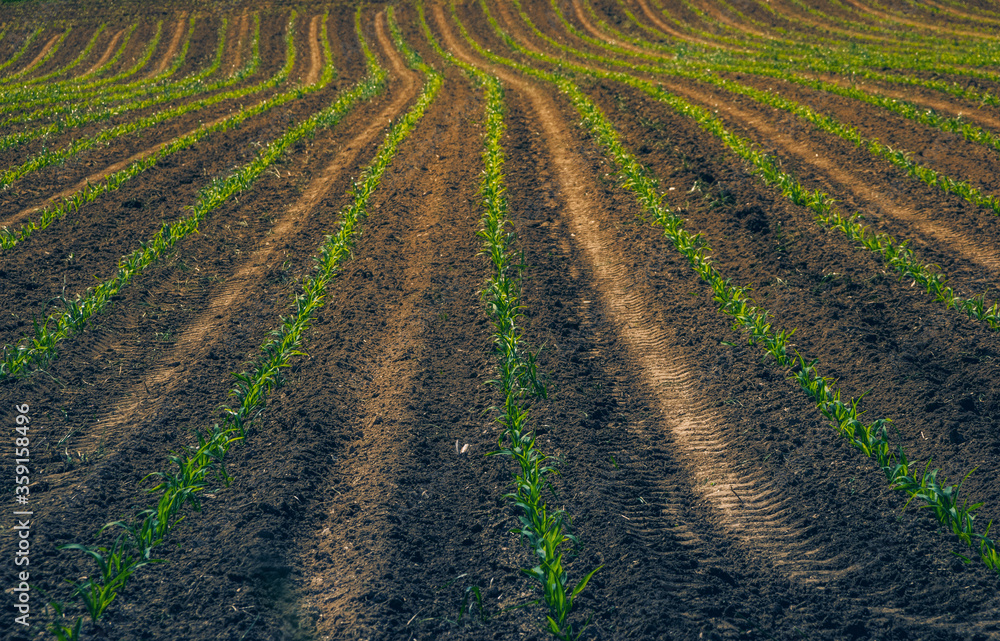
(544, 530)
(56, 156)
(80, 113)
(895, 255)
(60, 326)
(181, 488)
(869, 438)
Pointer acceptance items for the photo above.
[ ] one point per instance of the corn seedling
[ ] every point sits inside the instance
(195, 468)
(869, 438)
(41, 349)
(895, 255)
(544, 530)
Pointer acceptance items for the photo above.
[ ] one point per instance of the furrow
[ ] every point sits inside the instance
(194, 342)
(659, 358)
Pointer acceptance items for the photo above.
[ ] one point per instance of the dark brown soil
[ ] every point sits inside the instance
(719, 503)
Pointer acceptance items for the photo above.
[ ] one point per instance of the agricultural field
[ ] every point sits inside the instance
(500, 319)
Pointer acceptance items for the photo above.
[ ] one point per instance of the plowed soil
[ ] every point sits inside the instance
(364, 503)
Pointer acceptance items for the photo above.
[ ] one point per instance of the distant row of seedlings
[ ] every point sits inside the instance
(55, 156)
(893, 254)
(707, 72)
(90, 84)
(24, 48)
(73, 64)
(543, 529)
(901, 42)
(822, 122)
(41, 348)
(869, 438)
(202, 467)
(15, 97)
(853, 63)
(108, 102)
(40, 60)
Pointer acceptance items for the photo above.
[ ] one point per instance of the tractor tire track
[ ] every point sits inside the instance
(758, 518)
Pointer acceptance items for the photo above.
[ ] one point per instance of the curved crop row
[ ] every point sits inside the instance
(871, 438)
(41, 348)
(543, 529)
(895, 255)
(869, 64)
(196, 469)
(24, 47)
(86, 51)
(902, 108)
(105, 98)
(40, 61)
(48, 158)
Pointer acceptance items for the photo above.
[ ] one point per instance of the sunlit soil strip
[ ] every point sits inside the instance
(201, 466)
(543, 529)
(84, 112)
(897, 256)
(20, 52)
(872, 438)
(40, 349)
(48, 158)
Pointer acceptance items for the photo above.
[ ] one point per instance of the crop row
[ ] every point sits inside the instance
(203, 465)
(871, 438)
(898, 256)
(41, 348)
(543, 529)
